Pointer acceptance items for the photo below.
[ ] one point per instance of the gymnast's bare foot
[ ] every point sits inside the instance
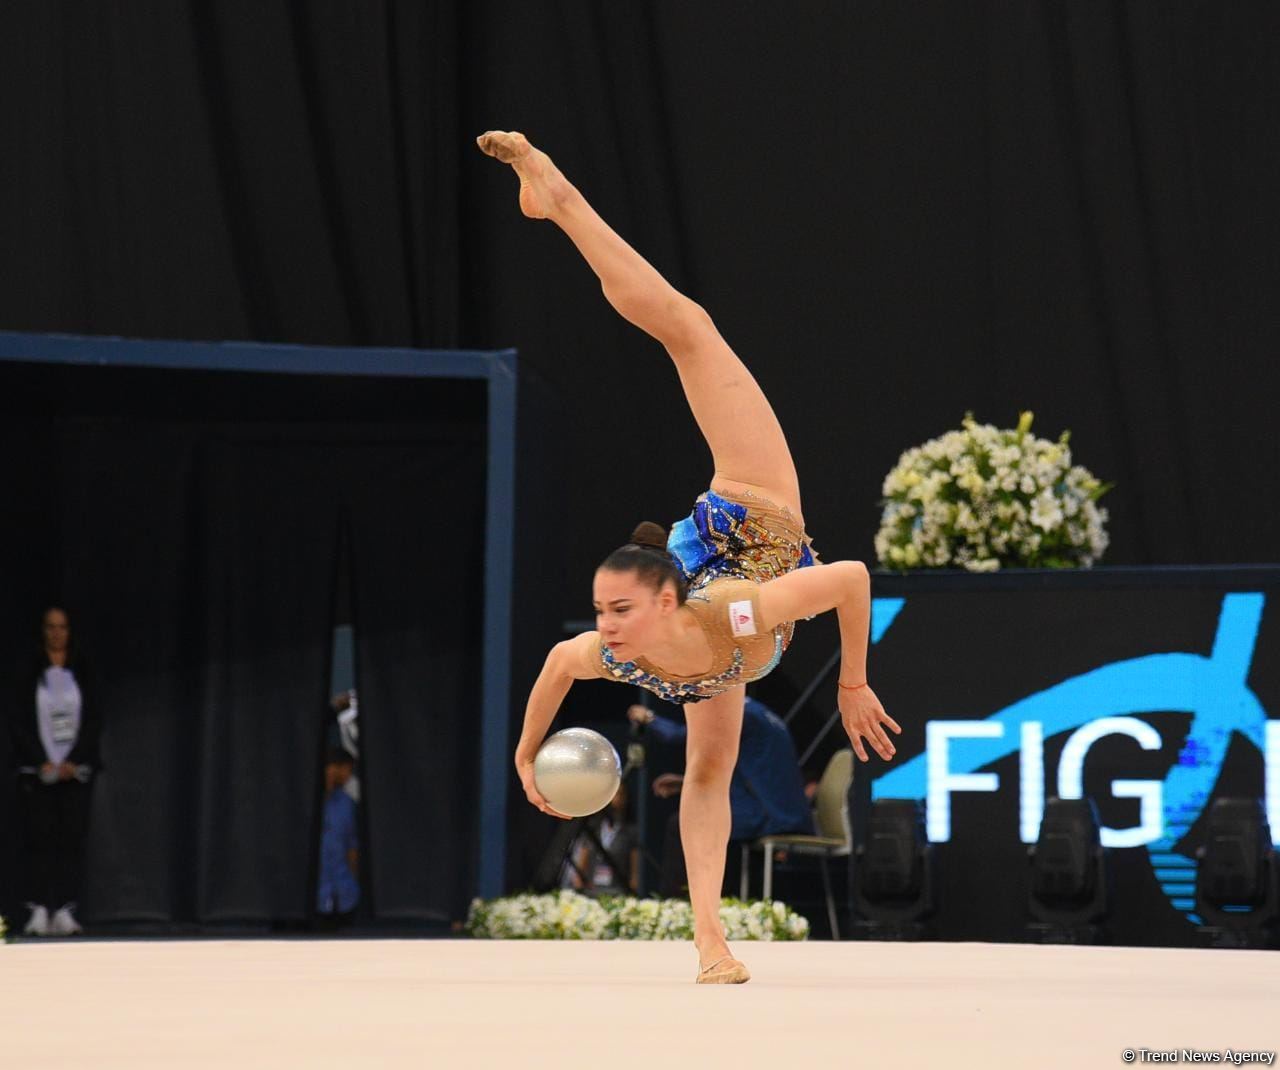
(543, 188)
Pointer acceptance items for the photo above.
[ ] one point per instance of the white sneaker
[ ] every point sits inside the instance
(38, 925)
(64, 923)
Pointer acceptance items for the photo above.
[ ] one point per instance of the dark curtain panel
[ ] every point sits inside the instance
(270, 171)
(895, 212)
(417, 567)
(268, 538)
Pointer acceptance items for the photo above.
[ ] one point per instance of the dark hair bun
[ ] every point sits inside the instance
(646, 555)
(648, 533)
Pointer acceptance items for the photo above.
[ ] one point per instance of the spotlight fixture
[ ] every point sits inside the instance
(1238, 876)
(895, 874)
(1069, 875)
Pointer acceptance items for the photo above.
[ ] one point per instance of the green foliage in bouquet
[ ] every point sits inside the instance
(983, 499)
(567, 915)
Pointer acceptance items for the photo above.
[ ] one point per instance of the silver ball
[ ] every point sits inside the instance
(577, 771)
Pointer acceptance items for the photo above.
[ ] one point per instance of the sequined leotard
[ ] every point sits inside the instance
(725, 548)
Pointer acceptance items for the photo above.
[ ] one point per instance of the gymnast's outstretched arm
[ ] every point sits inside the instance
(565, 663)
(844, 586)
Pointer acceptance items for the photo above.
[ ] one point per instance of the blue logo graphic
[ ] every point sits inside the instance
(1212, 689)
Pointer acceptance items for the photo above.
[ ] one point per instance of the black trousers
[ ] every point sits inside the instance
(53, 819)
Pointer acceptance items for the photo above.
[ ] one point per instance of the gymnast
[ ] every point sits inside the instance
(696, 616)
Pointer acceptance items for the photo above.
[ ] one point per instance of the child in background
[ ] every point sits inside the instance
(338, 891)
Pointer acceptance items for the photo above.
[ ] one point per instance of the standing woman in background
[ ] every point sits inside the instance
(55, 731)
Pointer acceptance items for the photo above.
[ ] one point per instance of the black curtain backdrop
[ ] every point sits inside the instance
(190, 523)
(418, 568)
(895, 212)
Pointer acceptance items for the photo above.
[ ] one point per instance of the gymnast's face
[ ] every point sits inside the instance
(630, 614)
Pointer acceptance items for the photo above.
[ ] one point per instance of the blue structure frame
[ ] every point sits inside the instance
(498, 369)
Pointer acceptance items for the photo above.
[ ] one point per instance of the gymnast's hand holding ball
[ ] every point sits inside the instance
(575, 773)
(524, 767)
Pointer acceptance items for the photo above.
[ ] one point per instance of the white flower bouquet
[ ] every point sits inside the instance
(983, 499)
(567, 915)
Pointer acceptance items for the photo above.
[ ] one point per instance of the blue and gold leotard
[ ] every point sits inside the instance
(725, 548)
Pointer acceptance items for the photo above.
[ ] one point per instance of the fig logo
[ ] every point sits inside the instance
(1100, 703)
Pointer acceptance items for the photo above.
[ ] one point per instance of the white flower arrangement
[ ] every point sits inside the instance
(568, 915)
(983, 499)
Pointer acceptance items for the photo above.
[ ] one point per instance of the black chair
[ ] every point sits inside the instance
(1238, 876)
(895, 877)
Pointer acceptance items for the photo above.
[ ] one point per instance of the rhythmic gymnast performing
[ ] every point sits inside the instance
(696, 616)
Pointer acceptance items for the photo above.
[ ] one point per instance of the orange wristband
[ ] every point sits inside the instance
(847, 687)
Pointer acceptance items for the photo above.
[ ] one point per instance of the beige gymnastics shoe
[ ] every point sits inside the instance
(724, 971)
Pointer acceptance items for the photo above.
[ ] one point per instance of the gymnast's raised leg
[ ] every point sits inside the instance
(748, 447)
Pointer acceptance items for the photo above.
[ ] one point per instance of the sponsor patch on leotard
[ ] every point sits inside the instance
(742, 618)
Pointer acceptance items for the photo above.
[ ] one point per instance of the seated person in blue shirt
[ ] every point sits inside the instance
(766, 794)
(338, 890)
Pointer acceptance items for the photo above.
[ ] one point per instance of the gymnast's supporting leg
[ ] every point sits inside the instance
(711, 752)
(739, 425)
